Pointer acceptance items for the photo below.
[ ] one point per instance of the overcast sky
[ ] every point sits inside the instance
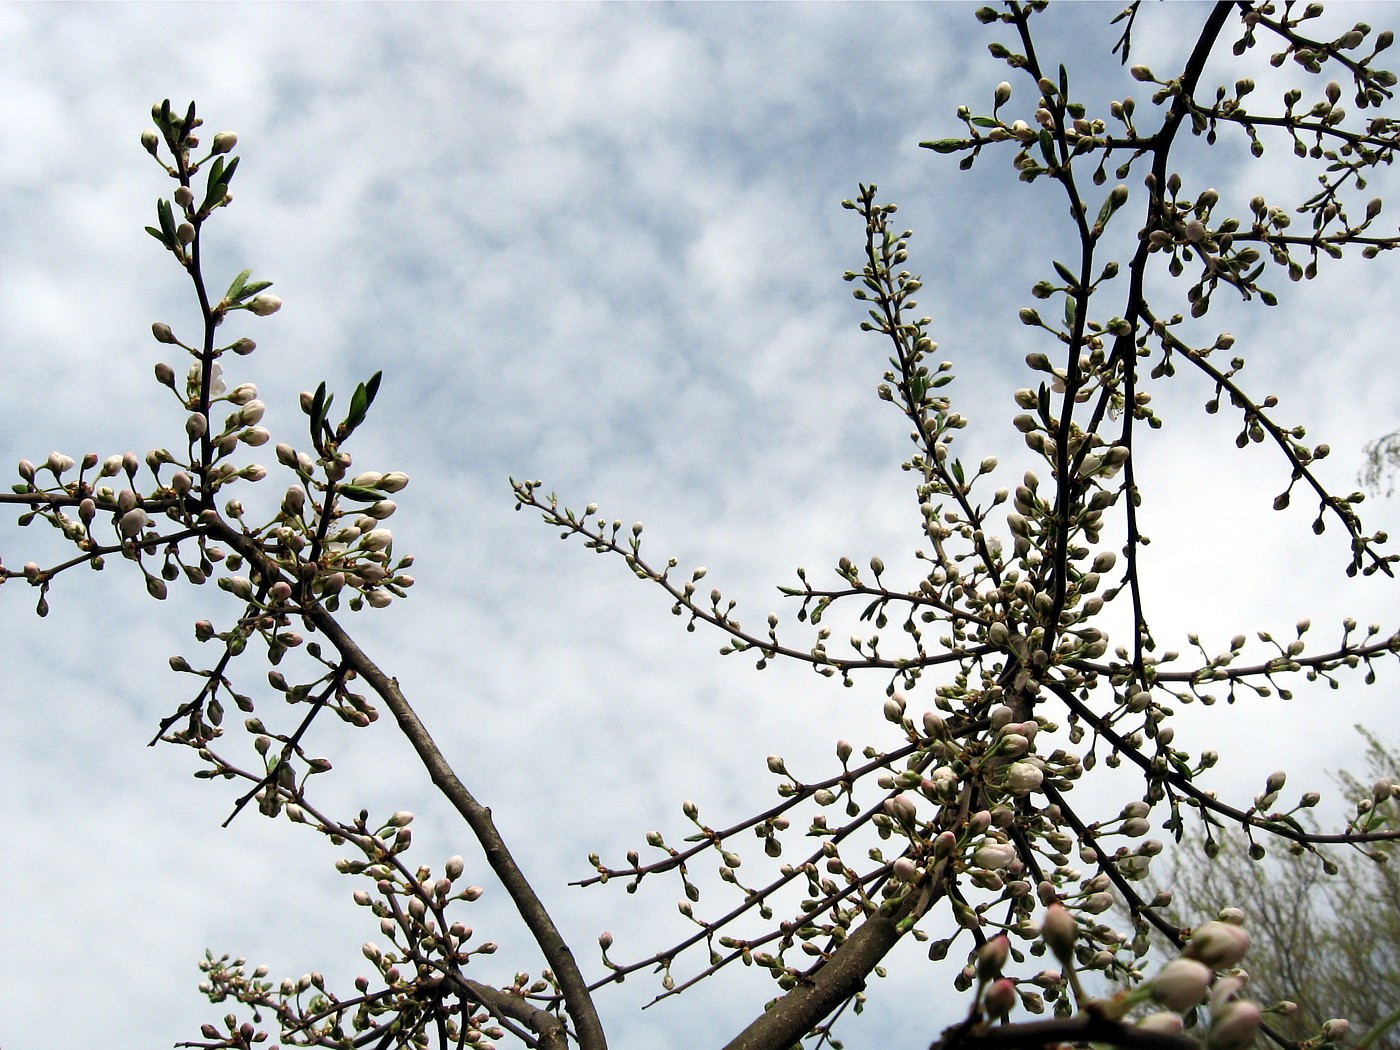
(601, 246)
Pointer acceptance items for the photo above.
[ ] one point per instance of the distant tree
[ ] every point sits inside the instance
(1382, 463)
(994, 664)
(1325, 922)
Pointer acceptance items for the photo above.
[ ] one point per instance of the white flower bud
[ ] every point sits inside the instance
(1181, 984)
(1022, 778)
(377, 540)
(264, 304)
(224, 141)
(994, 856)
(132, 522)
(383, 509)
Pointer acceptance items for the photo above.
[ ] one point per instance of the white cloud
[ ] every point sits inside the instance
(600, 245)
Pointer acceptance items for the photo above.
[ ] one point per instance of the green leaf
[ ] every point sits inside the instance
(986, 122)
(235, 289)
(945, 145)
(359, 492)
(319, 404)
(158, 235)
(1047, 146)
(1065, 275)
(167, 220)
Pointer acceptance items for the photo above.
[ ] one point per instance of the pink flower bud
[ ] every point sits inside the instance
(196, 426)
(605, 940)
(1165, 1022)
(1000, 999)
(905, 870)
(992, 957)
(1181, 984)
(902, 808)
(1058, 930)
(1219, 945)
(1235, 1027)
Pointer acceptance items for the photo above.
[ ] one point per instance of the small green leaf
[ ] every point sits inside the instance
(986, 122)
(945, 145)
(235, 289)
(167, 219)
(359, 492)
(1047, 146)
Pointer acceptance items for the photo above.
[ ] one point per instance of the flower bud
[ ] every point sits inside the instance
(1219, 945)
(902, 808)
(224, 141)
(1023, 778)
(163, 334)
(264, 304)
(1001, 998)
(994, 856)
(58, 463)
(196, 426)
(1165, 1022)
(992, 957)
(1058, 930)
(151, 141)
(1181, 984)
(1235, 1027)
(132, 522)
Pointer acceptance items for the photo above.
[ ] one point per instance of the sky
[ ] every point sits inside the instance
(602, 246)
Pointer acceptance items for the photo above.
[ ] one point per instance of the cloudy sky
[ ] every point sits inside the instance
(601, 246)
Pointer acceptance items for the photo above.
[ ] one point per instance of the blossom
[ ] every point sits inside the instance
(1181, 984)
(1218, 944)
